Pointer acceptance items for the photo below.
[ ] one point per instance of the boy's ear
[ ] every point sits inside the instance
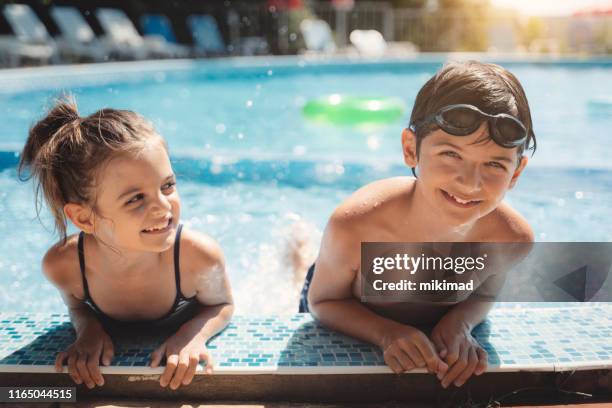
(518, 171)
(409, 148)
(81, 216)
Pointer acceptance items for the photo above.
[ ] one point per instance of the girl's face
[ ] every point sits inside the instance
(137, 201)
(465, 178)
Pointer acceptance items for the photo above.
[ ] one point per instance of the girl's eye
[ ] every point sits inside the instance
(169, 185)
(135, 199)
(496, 165)
(450, 153)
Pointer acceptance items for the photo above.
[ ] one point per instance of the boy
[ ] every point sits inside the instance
(469, 128)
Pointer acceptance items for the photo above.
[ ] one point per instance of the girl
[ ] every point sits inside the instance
(131, 265)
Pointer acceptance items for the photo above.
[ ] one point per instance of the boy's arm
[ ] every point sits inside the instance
(332, 302)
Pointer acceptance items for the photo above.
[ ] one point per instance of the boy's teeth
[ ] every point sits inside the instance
(460, 201)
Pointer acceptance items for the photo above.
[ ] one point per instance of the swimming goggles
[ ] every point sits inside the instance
(463, 119)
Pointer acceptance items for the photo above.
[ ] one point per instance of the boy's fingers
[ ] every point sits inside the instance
(452, 354)
(171, 363)
(429, 354)
(393, 363)
(404, 360)
(414, 354)
(469, 369)
(72, 369)
(456, 369)
(483, 361)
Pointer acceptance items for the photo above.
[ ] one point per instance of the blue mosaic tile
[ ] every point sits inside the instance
(512, 338)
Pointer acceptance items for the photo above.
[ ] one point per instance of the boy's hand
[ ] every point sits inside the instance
(84, 356)
(405, 348)
(460, 350)
(183, 352)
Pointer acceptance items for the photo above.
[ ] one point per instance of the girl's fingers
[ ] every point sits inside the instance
(393, 363)
(81, 365)
(205, 356)
(59, 361)
(157, 355)
(426, 348)
(72, 369)
(171, 364)
(191, 370)
(483, 361)
(181, 369)
(108, 352)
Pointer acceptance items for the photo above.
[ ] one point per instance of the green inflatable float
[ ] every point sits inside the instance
(354, 110)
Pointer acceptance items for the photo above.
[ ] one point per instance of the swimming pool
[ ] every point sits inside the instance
(249, 165)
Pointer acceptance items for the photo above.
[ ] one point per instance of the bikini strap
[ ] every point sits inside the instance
(177, 270)
(82, 264)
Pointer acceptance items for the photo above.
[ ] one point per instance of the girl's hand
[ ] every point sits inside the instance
(84, 356)
(460, 350)
(405, 347)
(183, 352)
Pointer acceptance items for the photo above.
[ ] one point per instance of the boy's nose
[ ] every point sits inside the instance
(469, 178)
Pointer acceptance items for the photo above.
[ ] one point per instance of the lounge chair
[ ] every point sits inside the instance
(124, 37)
(369, 43)
(77, 40)
(31, 41)
(159, 25)
(318, 36)
(206, 35)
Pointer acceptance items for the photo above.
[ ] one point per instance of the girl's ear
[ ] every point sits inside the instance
(81, 216)
(409, 148)
(518, 171)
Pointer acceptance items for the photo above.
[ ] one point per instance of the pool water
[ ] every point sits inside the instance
(249, 165)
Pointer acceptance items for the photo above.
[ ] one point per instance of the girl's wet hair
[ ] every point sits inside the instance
(489, 87)
(64, 152)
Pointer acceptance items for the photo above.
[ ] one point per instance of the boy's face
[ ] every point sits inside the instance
(137, 201)
(465, 177)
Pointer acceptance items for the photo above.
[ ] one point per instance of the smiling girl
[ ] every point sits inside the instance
(131, 265)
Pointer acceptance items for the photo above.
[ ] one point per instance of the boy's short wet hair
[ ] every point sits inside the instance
(489, 87)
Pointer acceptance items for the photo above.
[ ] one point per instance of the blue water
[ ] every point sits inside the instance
(249, 165)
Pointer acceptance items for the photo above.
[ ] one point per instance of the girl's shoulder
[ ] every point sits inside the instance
(199, 253)
(61, 266)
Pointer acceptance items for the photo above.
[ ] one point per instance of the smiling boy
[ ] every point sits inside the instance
(469, 128)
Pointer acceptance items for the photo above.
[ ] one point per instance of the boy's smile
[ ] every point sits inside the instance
(463, 178)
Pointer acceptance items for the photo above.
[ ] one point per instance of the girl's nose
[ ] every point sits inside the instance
(161, 204)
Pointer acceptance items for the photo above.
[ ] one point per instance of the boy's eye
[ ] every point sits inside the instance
(497, 165)
(135, 199)
(450, 153)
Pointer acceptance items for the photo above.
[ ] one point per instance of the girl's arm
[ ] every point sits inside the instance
(204, 264)
(92, 342)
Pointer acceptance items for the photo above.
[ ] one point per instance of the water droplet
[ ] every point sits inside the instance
(249, 103)
(579, 195)
(220, 128)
